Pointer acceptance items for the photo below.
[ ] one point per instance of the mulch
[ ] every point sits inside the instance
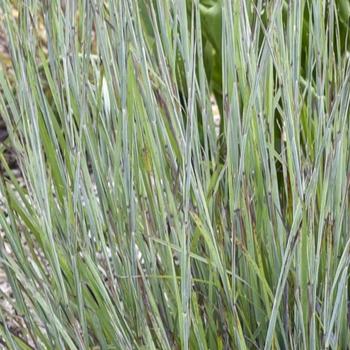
(5, 62)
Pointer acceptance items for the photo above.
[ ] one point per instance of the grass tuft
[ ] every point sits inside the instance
(137, 222)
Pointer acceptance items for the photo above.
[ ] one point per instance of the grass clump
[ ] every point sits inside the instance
(136, 226)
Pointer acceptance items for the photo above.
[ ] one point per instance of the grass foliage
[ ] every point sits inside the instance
(138, 227)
